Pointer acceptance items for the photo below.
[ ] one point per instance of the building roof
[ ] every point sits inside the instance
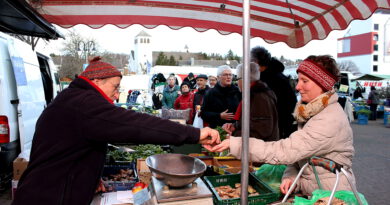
(143, 34)
(373, 77)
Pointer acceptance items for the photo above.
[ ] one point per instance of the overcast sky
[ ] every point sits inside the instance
(114, 39)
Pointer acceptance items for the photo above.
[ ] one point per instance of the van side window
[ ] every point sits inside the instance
(46, 79)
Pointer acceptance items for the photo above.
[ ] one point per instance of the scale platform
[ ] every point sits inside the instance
(195, 193)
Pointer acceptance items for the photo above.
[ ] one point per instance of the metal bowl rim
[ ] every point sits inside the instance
(182, 175)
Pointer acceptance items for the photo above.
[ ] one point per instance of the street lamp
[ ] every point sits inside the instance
(86, 47)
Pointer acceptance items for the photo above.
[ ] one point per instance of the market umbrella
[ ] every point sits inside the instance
(295, 22)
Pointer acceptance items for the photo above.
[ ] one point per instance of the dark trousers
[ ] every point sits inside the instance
(373, 108)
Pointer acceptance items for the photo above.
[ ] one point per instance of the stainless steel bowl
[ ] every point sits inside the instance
(175, 170)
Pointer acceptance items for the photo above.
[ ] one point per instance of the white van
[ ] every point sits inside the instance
(28, 82)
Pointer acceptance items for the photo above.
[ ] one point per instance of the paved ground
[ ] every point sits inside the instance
(371, 163)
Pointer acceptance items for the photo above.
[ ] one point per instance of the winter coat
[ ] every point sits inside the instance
(169, 96)
(327, 134)
(191, 82)
(263, 114)
(374, 97)
(198, 97)
(70, 144)
(216, 101)
(286, 99)
(184, 102)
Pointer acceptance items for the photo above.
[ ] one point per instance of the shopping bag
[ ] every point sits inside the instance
(198, 121)
(347, 196)
(272, 175)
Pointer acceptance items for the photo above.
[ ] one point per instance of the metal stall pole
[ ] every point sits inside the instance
(245, 102)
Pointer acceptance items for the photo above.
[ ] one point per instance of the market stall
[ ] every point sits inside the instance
(293, 22)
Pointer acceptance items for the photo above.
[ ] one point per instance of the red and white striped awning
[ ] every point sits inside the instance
(295, 22)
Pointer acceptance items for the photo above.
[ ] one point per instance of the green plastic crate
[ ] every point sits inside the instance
(267, 195)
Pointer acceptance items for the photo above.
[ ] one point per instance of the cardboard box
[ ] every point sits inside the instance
(141, 166)
(20, 164)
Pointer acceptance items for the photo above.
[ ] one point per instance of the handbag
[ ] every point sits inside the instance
(369, 101)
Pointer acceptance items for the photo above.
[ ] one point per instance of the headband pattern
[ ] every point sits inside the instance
(318, 74)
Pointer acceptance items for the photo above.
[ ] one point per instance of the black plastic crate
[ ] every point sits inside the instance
(266, 194)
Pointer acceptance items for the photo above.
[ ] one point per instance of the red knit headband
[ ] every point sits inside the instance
(318, 74)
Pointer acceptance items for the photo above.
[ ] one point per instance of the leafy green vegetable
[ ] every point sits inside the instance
(222, 132)
(140, 151)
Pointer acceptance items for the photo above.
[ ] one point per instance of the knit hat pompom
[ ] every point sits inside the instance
(94, 59)
(100, 70)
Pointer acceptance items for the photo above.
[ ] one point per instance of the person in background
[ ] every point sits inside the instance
(323, 131)
(263, 113)
(357, 93)
(191, 80)
(272, 74)
(176, 81)
(201, 82)
(67, 158)
(185, 100)
(373, 101)
(171, 91)
(220, 103)
(212, 81)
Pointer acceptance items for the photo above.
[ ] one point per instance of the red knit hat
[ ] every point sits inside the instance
(99, 70)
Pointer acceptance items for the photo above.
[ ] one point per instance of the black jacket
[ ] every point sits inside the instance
(286, 98)
(263, 114)
(199, 95)
(70, 142)
(191, 82)
(216, 101)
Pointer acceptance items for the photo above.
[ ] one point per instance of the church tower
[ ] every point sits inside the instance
(140, 60)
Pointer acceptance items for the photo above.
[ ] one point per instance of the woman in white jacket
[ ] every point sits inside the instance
(323, 131)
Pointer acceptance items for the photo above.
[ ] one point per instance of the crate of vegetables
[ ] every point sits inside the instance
(119, 177)
(227, 190)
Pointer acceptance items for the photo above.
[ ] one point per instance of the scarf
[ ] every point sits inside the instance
(303, 112)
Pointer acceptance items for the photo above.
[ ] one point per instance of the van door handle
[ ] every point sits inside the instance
(14, 101)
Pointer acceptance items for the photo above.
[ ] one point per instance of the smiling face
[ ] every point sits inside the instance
(307, 88)
(110, 86)
(226, 78)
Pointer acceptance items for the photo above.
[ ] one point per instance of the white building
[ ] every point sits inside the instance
(367, 44)
(141, 57)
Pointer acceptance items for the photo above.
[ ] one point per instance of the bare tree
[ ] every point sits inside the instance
(75, 52)
(349, 66)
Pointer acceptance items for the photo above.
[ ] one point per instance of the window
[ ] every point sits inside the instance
(344, 46)
(142, 40)
(376, 47)
(375, 68)
(148, 40)
(376, 37)
(375, 58)
(376, 27)
(135, 41)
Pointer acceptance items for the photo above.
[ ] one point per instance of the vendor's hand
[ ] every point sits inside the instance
(209, 136)
(100, 187)
(220, 147)
(227, 115)
(285, 185)
(229, 128)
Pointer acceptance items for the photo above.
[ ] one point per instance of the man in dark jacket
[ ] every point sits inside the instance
(201, 81)
(71, 136)
(272, 74)
(220, 103)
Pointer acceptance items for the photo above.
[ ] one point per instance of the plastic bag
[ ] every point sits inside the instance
(272, 175)
(347, 196)
(198, 121)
